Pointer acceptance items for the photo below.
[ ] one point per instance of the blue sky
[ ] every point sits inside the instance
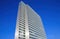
(49, 10)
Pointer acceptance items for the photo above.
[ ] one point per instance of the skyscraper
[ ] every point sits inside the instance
(28, 24)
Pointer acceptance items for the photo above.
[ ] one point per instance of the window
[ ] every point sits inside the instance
(18, 37)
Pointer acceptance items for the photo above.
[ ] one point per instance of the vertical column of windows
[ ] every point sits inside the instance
(21, 28)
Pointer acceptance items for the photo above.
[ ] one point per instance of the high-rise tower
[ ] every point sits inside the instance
(29, 24)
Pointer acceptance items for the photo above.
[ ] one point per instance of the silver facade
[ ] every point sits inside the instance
(29, 24)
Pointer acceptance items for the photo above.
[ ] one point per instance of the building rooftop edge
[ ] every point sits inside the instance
(21, 2)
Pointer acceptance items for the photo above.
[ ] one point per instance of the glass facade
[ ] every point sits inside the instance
(28, 24)
(36, 30)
